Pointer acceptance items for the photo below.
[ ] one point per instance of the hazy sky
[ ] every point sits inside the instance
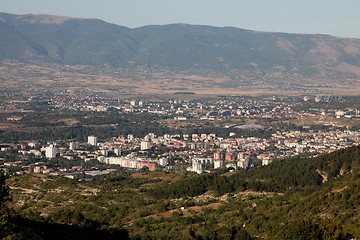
(335, 17)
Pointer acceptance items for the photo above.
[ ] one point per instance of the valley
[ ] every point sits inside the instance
(176, 131)
(26, 79)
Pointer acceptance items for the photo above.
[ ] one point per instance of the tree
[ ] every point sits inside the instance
(327, 229)
(4, 190)
(4, 211)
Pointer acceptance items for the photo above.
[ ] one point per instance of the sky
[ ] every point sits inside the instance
(333, 17)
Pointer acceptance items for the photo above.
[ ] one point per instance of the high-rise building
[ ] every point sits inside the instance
(73, 145)
(145, 145)
(230, 156)
(218, 163)
(241, 156)
(50, 152)
(92, 140)
(196, 166)
(163, 161)
(218, 155)
(243, 163)
(117, 151)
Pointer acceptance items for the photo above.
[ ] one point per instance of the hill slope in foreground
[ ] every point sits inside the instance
(228, 57)
(298, 198)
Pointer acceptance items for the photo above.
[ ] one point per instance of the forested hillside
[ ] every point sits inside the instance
(281, 176)
(297, 198)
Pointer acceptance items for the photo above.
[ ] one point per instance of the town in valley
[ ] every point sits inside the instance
(200, 135)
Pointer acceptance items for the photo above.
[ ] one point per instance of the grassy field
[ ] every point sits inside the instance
(32, 78)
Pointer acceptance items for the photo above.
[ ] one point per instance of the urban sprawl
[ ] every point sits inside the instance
(201, 152)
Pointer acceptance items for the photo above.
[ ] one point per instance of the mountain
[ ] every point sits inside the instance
(193, 48)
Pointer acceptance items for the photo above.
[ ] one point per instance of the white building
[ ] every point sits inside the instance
(163, 161)
(218, 163)
(92, 140)
(50, 152)
(196, 166)
(339, 114)
(145, 145)
(147, 138)
(243, 163)
(266, 161)
(117, 151)
(73, 145)
(299, 149)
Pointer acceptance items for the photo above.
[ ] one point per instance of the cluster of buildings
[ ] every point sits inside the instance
(133, 162)
(266, 107)
(203, 152)
(182, 110)
(198, 153)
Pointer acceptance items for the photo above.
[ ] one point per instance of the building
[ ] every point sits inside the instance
(50, 152)
(196, 166)
(40, 169)
(92, 140)
(230, 156)
(73, 145)
(145, 145)
(266, 161)
(151, 165)
(129, 162)
(299, 149)
(339, 114)
(163, 161)
(218, 163)
(218, 155)
(241, 156)
(243, 163)
(117, 151)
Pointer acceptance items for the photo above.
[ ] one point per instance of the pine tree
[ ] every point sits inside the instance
(4, 212)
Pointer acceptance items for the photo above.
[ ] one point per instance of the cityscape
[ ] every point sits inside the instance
(148, 120)
(268, 124)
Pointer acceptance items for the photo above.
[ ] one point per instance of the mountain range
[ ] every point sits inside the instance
(178, 47)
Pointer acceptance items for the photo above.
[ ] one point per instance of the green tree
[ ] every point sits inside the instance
(4, 190)
(5, 225)
(328, 229)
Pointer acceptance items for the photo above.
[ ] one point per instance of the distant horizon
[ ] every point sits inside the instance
(327, 17)
(177, 23)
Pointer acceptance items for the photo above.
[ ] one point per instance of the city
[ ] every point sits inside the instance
(179, 120)
(247, 132)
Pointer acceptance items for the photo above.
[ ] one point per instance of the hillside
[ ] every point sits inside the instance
(237, 53)
(289, 199)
